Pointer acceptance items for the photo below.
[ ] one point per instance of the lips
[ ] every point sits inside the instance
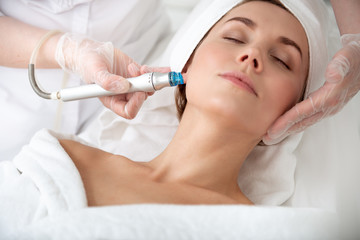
(240, 80)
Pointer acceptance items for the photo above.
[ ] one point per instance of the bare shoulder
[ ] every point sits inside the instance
(79, 152)
(107, 178)
(88, 159)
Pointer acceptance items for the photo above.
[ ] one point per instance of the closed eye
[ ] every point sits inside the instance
(235, 40)
(281, 62)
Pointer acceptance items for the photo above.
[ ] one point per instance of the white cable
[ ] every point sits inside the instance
(59, 109)
(34, 55)
(40, 43)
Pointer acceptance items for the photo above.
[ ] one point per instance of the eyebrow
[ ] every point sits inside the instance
(287, 41)
(248, 22)
(251, 24)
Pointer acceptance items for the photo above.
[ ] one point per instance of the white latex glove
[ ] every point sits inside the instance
(342, 83)
(101, 63)
(129, 104)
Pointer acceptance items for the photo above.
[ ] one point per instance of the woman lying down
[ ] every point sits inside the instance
(254, 64)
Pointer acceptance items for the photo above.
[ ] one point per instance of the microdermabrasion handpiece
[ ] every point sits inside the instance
(148, 82)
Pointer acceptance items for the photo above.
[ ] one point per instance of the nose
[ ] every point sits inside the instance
(252, 58)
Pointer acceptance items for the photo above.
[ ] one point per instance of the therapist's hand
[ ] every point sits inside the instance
(93, 61)
(342, 83)
(128, 105)
(101, 63)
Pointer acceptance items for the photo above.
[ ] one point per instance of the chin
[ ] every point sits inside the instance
(238, 118)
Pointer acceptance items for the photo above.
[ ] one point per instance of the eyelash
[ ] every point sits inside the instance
(281, 62)
(234, 40)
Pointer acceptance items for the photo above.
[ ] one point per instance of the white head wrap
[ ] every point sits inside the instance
(311, 14)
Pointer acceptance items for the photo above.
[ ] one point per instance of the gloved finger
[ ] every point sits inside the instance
(98, 72)
(115, 104)
(326, 99)
(111, 82)
(126, 106)
(121, 63)
(297, 113)
(134, 70)
(321, 103)
(146, 69)
(305, 123)
(295, 128)
(134, 104)
(346, 71)
(337, 69)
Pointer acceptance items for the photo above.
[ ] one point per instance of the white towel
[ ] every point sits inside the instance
(49, 183)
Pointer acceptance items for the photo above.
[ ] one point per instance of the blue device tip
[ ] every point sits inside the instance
(175, 78)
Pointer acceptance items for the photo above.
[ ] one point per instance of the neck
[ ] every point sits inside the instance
(204, 152)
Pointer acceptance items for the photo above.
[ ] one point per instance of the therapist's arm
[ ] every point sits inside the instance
(347, 13)
(93, 61)
(19, 39)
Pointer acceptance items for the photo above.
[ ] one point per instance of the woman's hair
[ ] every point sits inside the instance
(180, 94)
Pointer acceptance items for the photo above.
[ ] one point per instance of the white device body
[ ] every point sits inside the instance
(148, 82)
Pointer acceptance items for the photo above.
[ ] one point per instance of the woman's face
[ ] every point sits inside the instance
(251, 67)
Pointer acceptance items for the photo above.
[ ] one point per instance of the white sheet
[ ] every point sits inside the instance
(47, 201)
(157, 222)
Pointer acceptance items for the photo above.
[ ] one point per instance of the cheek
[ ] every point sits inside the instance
(285, 93)
(209, 55)
(207, 60)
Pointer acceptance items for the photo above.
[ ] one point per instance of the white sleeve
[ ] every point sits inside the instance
(1, 14)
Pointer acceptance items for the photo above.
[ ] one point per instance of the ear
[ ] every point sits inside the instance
(184, 75)
(185, 69)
